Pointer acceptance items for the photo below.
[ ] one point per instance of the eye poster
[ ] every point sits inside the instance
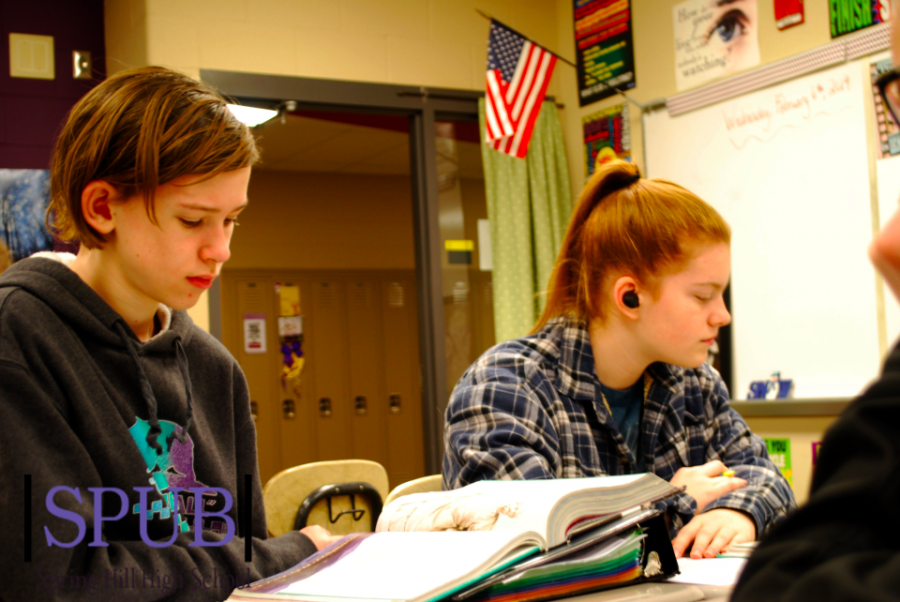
(606, 137)
(714, 39)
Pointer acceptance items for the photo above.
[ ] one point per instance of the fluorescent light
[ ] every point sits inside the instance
(251, 115)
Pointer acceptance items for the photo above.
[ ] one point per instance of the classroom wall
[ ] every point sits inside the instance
(654, 57)
(32, 110)
(440, 43)
(802, 431)
(325, 221)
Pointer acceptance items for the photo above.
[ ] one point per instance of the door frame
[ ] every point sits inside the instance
(420, 105)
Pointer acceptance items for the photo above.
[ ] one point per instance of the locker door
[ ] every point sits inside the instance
(254, 296)
(327, 360)
(367, 404)
(298, 434)
(402, 381)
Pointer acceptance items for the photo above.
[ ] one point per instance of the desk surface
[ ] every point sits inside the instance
(657, 592)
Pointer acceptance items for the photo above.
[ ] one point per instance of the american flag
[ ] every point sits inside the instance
(518, 72)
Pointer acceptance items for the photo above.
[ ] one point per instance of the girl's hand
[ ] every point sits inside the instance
(713, 531)
(705, 483)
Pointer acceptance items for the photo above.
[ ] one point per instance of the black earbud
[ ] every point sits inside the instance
(630, 299)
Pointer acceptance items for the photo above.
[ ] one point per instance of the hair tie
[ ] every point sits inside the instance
(631, 180)
(616, 185)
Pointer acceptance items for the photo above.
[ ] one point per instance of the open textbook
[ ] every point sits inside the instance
(493, 540)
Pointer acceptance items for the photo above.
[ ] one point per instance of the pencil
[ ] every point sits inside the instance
(728, 473)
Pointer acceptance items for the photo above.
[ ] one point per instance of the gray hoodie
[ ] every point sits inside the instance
(84, 404)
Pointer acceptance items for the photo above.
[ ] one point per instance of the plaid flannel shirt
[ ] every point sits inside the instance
(531, 408)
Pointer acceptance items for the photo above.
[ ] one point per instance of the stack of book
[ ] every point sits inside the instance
(493, 541)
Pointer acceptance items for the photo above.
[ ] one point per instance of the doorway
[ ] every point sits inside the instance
(344, 105)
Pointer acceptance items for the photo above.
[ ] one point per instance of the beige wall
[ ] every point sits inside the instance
(325, 221)
(422, 42)
(802, 431)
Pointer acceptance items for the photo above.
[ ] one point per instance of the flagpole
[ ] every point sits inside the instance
(518, 33)
(642, 106)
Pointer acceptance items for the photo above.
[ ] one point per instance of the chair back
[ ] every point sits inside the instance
(343, 496)
(420, 485)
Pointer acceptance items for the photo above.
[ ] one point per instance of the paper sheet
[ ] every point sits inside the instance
(721, 572)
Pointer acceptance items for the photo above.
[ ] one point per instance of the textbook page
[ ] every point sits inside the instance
(547, 507)
(420, 565)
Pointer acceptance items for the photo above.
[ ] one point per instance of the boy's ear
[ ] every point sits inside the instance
(96, 207)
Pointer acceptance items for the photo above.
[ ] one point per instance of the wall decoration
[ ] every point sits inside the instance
(254, 333)
(290, 336)
(606, 137)
(780, 454)
(788, 13)
(714, 39)
(604, 48)
(847, 16)
(888, 135)
(24, 196)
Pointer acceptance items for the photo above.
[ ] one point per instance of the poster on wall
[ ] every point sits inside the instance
(24, 196)
(788, 13)
(714, 39)
(888, 132)
(254, 333)
(603, 48)
(780, 455)
(606, 137)
(847, 16)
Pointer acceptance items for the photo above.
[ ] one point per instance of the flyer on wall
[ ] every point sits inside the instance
(606, 137)
(714, 39)
(603, 48)
(847, 16)
(888, 132)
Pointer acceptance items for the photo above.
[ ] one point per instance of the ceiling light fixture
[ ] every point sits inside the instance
(251, 115)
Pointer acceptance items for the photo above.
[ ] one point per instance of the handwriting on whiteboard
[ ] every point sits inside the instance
(762, 115)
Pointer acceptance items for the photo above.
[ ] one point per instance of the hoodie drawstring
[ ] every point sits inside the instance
(147, 390)
(186, 377)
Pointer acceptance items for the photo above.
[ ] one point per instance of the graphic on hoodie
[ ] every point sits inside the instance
(174, 467)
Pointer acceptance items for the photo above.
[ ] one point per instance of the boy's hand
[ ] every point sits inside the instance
(713, 531)
(705, 483)
(320, 536)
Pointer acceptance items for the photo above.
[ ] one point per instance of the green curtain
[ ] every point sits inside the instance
(528, 203)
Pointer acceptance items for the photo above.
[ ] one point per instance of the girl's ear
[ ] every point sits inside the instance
(627, 297)
(95, 205)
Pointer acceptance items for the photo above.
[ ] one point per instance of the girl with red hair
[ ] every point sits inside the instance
(613, 379)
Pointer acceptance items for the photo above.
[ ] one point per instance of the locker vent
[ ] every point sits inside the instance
(252, 299)
(489, 294)
(362, 294)
(324, 294)
(395, 294)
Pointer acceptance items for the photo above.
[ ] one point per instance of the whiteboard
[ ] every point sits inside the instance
(787, 167)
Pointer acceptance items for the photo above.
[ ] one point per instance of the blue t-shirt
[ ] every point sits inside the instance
(625, 406)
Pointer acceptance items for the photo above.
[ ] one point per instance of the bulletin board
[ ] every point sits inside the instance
(787, 166)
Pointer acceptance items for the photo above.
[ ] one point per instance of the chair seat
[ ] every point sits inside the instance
(287, 491)
(430, 483)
